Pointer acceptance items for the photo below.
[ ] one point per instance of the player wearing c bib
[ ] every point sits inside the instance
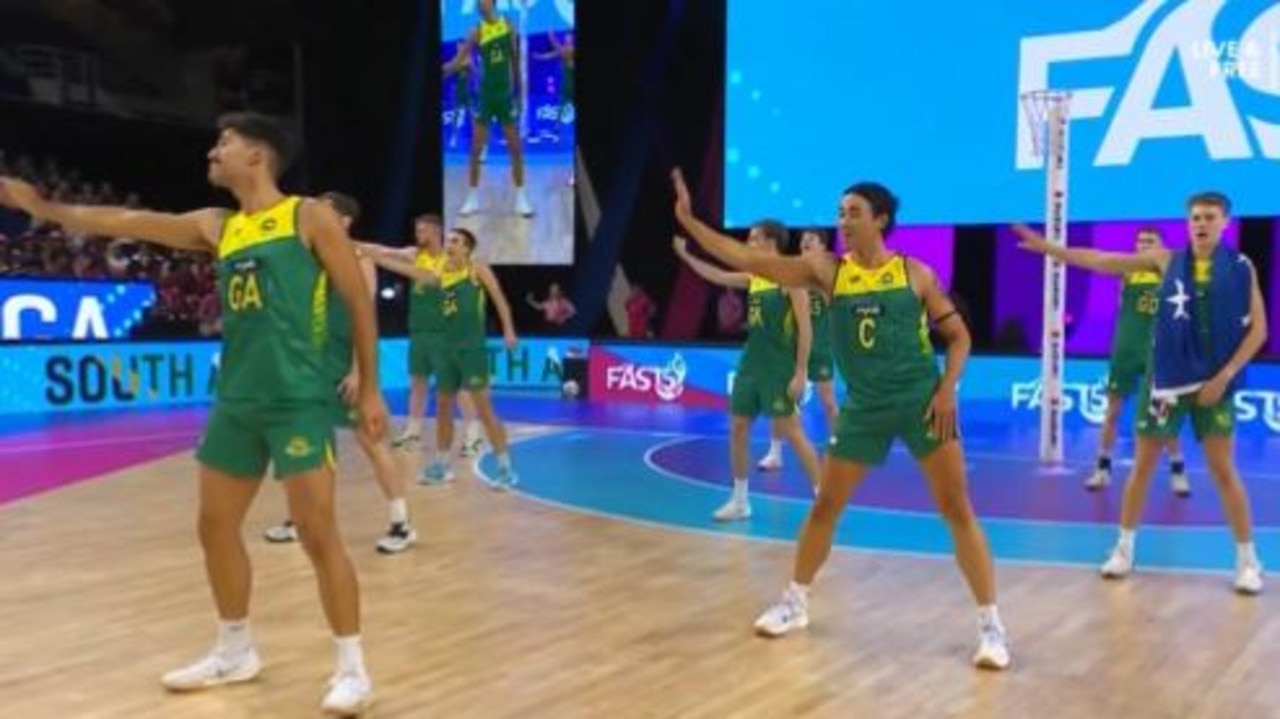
(881, 307)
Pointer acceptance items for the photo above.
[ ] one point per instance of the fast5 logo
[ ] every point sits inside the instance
(1218, 54)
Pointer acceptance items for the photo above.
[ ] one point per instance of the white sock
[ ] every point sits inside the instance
(350, 655)
(504, 461)
(739, 490)
(233, 636)
(1246, 554)
(1127, 538)
(399, 511)
(989, 617)
(800, 591)
(473, 430)
(775, 448)
(413, 426)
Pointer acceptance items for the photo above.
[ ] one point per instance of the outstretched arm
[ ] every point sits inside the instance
(1108, 263)
(813, 272)
(708, 271)
(195, 231)
(395, 262)
(492, 288)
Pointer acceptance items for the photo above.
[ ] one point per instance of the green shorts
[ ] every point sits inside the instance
(1125, 376)
(241, 439)
(754, 395)
(498, 107)
(821, 368)
(1163, 419)
(423, 356)
(463, 369)
(865, 434)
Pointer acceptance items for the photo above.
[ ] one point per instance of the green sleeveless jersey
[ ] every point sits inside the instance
(771, 331)
(820, 317)
(275, 299)
(879, 334)
(1139, 301)
(495, 54)
(426, 301)
(463, 305)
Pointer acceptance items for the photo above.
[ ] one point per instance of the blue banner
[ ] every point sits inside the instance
(992, 389)
(70, 377)
(1169, 98)
(55, 310)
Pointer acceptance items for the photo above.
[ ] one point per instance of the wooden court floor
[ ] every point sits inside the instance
(511, 608)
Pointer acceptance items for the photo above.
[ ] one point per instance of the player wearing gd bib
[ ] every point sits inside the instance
(772, 370)
(345, 380)
(1130, 354)
(277, 255)
(881, 305)
(821, 365)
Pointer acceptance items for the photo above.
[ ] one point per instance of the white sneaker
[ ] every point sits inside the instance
(733, 510)
(349, 695)
(791, 612)
(1248, 578)
(523, 208)
(1180, 485)
(471, 205)
(281, 533)
(405, 438)
(993, 650)
(770, 462)
(1099, 479)
(214, 669)
(471, 447)
(1119, 565)
(399, 537)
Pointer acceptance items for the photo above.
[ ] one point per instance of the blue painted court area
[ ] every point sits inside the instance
(672, 471)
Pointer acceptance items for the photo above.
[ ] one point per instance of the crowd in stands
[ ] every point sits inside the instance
(186, 300)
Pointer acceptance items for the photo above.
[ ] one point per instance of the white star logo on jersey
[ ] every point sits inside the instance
(1179, 300)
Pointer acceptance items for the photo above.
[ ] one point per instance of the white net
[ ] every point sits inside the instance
(1038, 107)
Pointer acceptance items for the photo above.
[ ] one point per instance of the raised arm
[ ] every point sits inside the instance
(195, 231)
(1107, 263)
(814, 272)
(708, 271)
(320, 226)
(492, 288)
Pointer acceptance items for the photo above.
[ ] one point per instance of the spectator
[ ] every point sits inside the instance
(730, 312)
(640, 309)
(556, 309)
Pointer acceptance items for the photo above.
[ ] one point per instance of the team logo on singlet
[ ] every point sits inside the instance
(268, 225)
